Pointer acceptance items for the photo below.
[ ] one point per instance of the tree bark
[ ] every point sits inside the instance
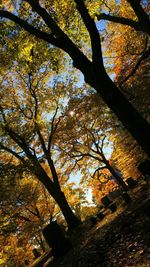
(117, 177)
(55, 191)
(71, 219)
(114, 173)
(117, 102)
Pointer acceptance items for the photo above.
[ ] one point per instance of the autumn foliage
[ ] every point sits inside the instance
(74, 112)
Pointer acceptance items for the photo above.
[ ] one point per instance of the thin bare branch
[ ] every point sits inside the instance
(53, 129)
(144, 56)
(102, 143)
(3, 114)
(12, 153)
(98, 169)
(21, 142)
(22, 110)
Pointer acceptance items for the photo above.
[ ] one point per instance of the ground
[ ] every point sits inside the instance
(121, 239)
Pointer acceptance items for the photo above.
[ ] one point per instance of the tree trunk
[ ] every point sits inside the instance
(126, 197)
(117, 102)
(70, 217)
(114, 173)
(55, 191)
(117, 177)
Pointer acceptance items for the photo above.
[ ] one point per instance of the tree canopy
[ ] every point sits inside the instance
(74, 106)
(50, 24)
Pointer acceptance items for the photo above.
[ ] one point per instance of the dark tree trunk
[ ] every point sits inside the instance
(117, 102)
(126, 197)
(114, 173)
(70, 217)
(55, 191)
(117, 177)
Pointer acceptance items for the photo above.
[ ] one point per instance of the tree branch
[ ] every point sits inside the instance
(12, 153)
(41, 139)
(22, 110)
(52, 130)
(61, 39)
(58, 38)
(143, 18)
(29, 28)
(136, 25)
(33, 94)
(98, 169)
(3, 114)
(120, 20)
(48, 156)
(144, 56)
(20, 141)
(49, 21)
(24, 218)
(97, 57)
(83, 155)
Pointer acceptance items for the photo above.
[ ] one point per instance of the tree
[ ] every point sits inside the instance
(25, 208)
(27, 130)
(93, 69)
(126, 153)
(139, 23)
(102, 186)
(84, 143)
(76, 197)
(132, 71)
(85, 139)
(131, 66)
(13, 254)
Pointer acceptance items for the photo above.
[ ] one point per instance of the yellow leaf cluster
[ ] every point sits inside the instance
(25, 50)
(7, 4)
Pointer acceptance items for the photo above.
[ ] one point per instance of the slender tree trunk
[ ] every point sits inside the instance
(114, 173)
(117, 102)
(42, 245)
(126, 197)
(55, 191)
(117, 177)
